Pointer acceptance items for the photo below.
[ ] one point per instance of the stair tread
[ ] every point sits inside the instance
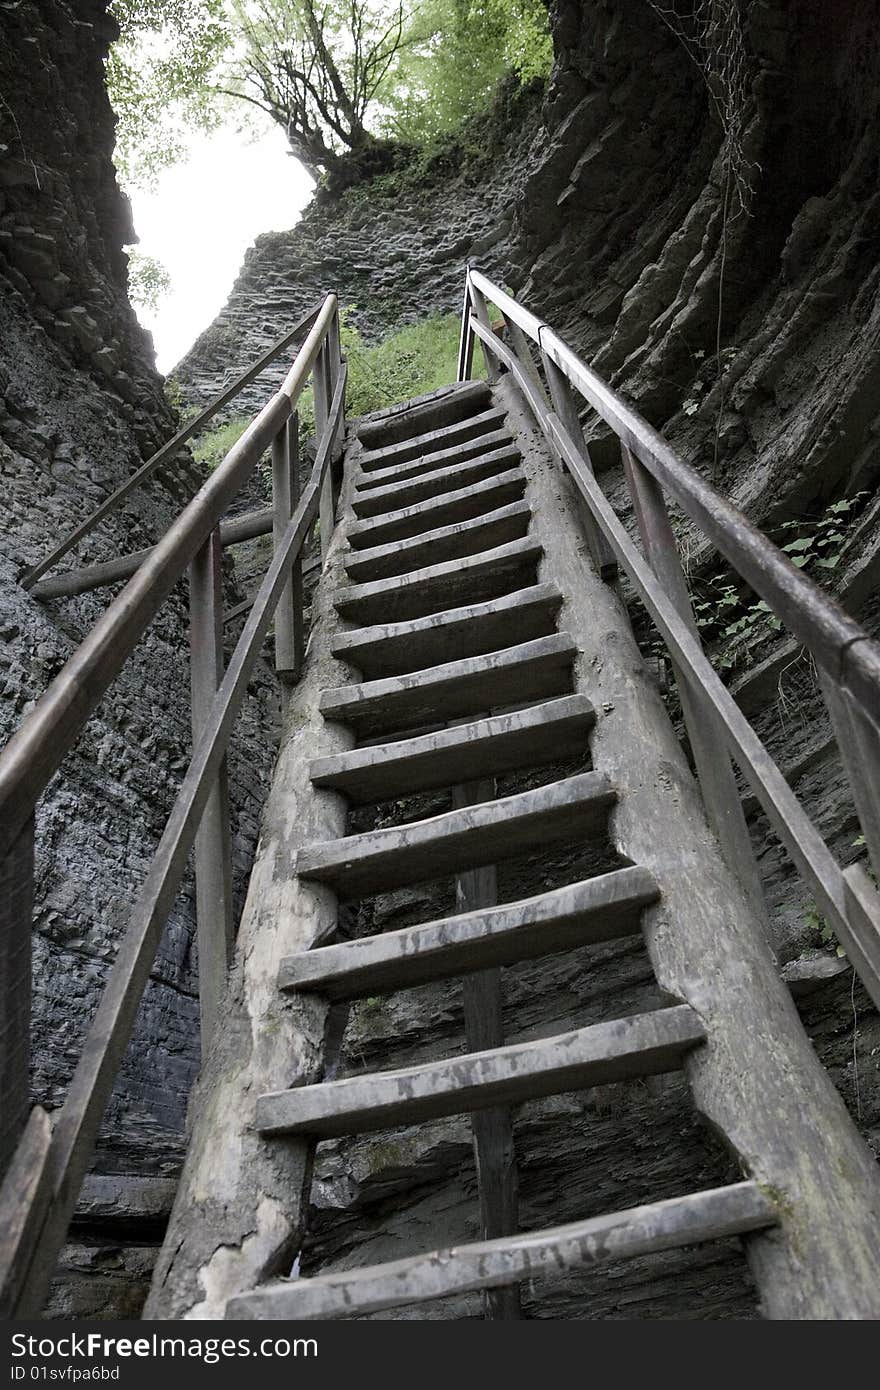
(459, 504)
(443, 543)
(439, 480)
(603, 908)
(428, 411)
(640, 1045)
(416, 445)
(486, 575)
(529, 671)
(461, 839)
(530, 737)
(473, 629)
(713, 1214)
(458, 453)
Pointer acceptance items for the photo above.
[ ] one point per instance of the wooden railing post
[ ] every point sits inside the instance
(213, 853)
(323, 394)
(481, 313)
(289, 630)
(706, 733)
(466, 336)
(859, 744)
(16, 917)
(565, 407)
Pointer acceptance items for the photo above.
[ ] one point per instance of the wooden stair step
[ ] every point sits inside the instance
(459, 453)
(641, 1045)
(715, 1214)
(473, 579)
(467, 838)
(444, 543)
(389, 649)
(433, 484)
(526, 738)
(530, 671)
(432, 441)
(459, 504)
(604, 908)
(423, 413)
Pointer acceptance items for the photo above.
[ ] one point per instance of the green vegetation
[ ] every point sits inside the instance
(148, 280)
(417, 359)
(734, 622)
(351, 82)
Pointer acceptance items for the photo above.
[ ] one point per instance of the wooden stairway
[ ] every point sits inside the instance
(470, 657)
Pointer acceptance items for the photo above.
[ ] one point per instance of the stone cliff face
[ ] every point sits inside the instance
(81, 406)
(606, 213)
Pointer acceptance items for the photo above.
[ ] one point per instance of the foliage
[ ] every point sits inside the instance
(317, 68)
(148, 280)
(734, 622)
(212, 446)
(341, 77)
(419, 358)
(456, 53)
(158, 79)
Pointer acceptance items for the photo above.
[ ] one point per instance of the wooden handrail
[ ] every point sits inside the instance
(836, 641)
(40, 744)
(849, 659)
(36, 572)
(43, 1179)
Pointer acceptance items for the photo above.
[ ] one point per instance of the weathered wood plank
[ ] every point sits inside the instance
(16, 982)
(472, 579)
(24, 1199)
(598, 909)
(418, 445)
(390, 649)
(545, 733)
(444, 543)
(460, 504)
(468, 838)
(434, 484)
(641, 1045)
(534, 670)
(711, 1215)
(460, 453)
(423, 414)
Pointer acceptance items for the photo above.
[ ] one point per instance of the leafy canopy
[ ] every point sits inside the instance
(336, 75)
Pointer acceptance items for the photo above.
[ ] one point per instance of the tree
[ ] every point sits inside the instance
(318, 70)
(159, 78)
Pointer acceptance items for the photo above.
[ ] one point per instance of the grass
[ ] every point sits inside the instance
(415, 360)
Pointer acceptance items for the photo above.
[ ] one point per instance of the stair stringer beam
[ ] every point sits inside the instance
(756, 1080)
(240, 1207)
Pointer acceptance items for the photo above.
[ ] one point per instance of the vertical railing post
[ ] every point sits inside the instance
(717, 780)
(213, 854)
(481, 312)
(566, 408)
(323, 396)
(859, 744)
(466, 336)
(289, 642)
(16, 918)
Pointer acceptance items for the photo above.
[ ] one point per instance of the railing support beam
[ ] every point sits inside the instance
(213, 851)
(708, 740)
(289, 636)
(16, 916)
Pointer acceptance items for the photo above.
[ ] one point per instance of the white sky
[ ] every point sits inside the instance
(200, 220)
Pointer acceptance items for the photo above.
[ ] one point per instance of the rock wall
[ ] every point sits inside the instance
(751, 338)
(81, 406)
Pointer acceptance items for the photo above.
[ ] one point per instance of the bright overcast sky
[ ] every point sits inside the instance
(200, 220)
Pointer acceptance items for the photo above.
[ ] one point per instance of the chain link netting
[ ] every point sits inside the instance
(711, 32)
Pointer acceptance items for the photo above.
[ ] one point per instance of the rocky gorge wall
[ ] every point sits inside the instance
(606, 214)
(81, 406)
